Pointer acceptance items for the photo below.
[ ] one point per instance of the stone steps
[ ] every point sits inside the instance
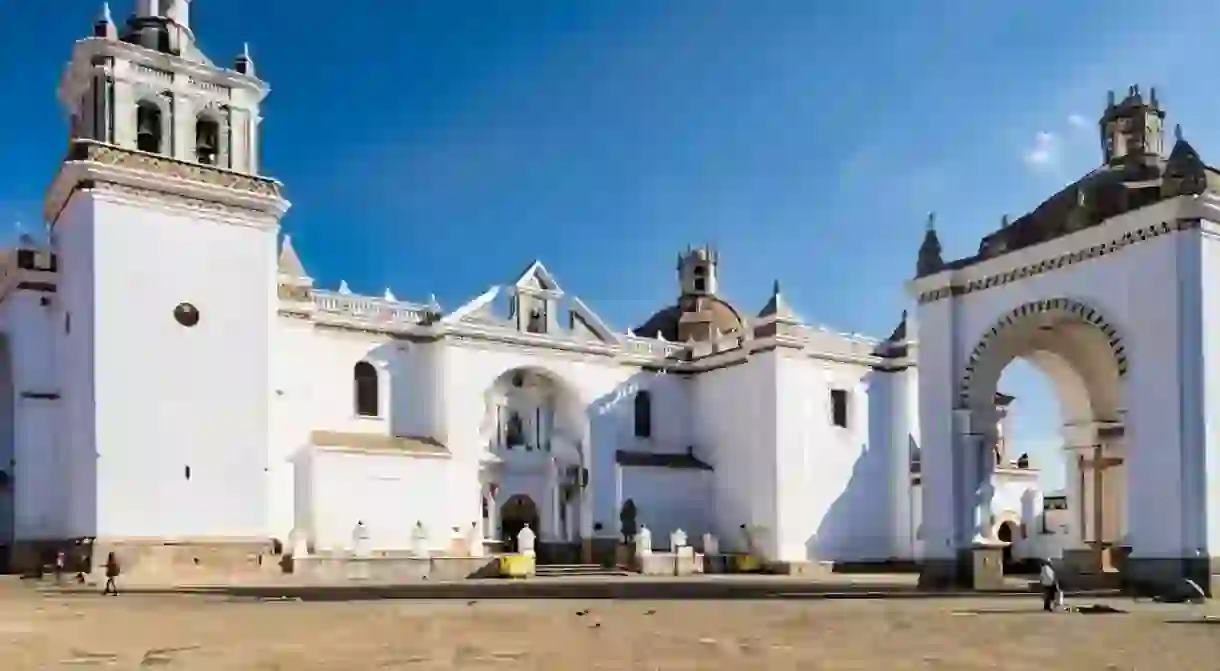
(574, 570)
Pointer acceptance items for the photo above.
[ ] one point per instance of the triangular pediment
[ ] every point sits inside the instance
(535, 299)
(537, 277)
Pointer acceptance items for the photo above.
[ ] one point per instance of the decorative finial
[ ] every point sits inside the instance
(1152, 96)
(1110, 98)
(244, 64)
(389, 296)
(1004, 221)
(775, 288)
(343, 288)
(1177, 132)
(931, 221)
(104, 27)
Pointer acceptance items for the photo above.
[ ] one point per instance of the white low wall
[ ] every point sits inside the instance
(389, 493)
(669, 498)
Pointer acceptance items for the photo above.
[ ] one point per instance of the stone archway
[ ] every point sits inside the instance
(1085, 358)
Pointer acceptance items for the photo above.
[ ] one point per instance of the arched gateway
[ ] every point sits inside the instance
(1112, 289)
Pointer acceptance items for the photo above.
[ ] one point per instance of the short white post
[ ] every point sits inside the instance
(525, 540)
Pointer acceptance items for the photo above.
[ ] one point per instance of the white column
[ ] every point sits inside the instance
(900, 407)
(982, 490)
(1075, 498)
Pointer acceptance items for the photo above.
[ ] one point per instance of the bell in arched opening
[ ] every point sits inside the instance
(148, 128)
(207, 141)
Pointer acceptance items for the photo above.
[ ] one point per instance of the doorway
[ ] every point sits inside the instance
(1006, 535)
(516, 512)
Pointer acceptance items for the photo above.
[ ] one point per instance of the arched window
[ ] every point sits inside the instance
(207, 140)
(643, 414)
(367, 403)
(148, 127)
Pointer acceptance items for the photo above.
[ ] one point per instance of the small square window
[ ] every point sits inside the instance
(838, 402)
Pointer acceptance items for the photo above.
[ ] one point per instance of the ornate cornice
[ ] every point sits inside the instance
(1167, 217)
(200, 187)
(107, 154)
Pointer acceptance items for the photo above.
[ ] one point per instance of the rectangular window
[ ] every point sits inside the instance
(838, 403)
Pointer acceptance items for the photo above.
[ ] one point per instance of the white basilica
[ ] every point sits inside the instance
(172, 377)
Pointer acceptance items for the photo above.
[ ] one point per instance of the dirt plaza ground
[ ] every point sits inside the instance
(45, 631)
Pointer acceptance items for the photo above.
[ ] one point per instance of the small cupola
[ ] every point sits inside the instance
(1132, 129)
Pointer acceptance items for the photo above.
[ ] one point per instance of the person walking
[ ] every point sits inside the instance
(112, 573)
(1050, 586)
(59, 566)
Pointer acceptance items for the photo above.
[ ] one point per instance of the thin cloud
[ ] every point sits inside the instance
(1043, 153)
(1078, 121)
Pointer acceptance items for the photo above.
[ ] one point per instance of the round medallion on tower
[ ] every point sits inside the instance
(186, 314)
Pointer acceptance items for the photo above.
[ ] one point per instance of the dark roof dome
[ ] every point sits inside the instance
(676, 322)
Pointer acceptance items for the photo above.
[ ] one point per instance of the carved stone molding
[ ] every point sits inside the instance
(1033, 309)
(105, 154)
(1061, 261)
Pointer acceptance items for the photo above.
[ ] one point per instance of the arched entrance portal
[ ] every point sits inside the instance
(1119, 263)
(518, 511)
(535, 431)
(1085, 359)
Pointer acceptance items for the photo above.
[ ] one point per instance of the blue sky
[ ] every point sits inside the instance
(438, 146)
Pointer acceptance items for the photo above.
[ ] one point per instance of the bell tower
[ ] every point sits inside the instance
(146, 86)
(166, 238)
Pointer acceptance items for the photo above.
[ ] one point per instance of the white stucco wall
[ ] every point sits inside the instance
(75, 355)
(668, 499)
(1205, 468)
(168, 398)
(731, 410)
(313, 389)
(389, 493)
(35, 503)
(834, 493)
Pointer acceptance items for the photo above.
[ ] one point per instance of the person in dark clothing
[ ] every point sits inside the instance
(112, 572)
(59, 566)
(1050, 586)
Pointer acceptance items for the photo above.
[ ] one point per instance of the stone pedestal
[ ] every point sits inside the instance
(986, 562)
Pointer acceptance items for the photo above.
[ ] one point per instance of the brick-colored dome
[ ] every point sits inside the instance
(689, 317)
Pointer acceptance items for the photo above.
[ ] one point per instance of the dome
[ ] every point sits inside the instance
(690, 317)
